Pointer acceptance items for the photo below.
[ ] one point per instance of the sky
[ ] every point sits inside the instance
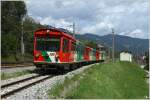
(126, 17)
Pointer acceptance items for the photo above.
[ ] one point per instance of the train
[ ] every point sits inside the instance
(56, 49)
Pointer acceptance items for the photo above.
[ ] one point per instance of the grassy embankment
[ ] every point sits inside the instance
(104, 81)
(5, 76)
(17, 58)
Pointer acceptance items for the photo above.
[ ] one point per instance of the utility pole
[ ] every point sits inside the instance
(22, 42)
(109, 53)
(137, 53)
(73, 29)
(113, 45)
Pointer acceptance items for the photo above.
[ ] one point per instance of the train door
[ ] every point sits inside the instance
(72, 52)
(94, 55)
(65, 50)
(80, 52)
(97, 55)
(86, 54)
(90, 54)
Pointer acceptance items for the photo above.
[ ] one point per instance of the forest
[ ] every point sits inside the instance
(13, 14)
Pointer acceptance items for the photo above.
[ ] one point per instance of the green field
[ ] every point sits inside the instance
(111, 81)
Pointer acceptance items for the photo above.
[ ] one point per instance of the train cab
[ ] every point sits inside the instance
(52, 46)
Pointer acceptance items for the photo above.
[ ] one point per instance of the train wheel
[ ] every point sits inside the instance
(75, 66)
(66, 68)
(79, 65)
(60, 70)
(71, 67)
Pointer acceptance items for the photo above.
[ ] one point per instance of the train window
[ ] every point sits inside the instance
(65, 45)
(39, 44)
(48, 44)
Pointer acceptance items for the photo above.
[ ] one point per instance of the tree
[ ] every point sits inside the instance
(91, 44)
(29, 27)
(12, 13)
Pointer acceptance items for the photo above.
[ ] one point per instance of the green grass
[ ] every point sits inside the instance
(5, 76)
(8, 59)
(17, 58)
(56, 92)
(105, 81)
(112, 81)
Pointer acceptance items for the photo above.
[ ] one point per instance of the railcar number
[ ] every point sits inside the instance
(52, 54)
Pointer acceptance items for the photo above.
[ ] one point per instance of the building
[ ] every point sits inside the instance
(125, 56)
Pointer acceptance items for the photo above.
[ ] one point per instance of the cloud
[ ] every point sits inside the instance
(136, 33)
(98, 28)
(54, 22)
(93, 16)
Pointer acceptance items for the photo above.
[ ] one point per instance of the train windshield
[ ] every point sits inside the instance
(47, 43)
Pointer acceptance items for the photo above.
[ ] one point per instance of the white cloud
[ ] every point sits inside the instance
(97, 28)
(93, 16)
(50, 21)
(53, 22)
(136, 33)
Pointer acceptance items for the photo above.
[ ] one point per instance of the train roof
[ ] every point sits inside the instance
(57, 30)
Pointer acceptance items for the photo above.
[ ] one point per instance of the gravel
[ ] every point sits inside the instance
(21, 84)
(39, 91)
(17, 78)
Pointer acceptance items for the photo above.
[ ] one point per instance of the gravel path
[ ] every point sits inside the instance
(16, 69)
(39, 90)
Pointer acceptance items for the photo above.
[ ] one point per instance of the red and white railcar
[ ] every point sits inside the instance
(59, 49)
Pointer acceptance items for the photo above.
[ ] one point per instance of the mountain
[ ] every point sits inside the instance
(134, 45)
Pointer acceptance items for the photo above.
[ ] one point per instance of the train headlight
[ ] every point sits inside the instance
(37, 55)
(47, 31)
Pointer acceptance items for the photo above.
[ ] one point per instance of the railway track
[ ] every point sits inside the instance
(13, 87)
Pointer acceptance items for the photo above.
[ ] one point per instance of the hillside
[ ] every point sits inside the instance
(134, 45)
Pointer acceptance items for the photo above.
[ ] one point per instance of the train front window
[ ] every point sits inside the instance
(47, 43)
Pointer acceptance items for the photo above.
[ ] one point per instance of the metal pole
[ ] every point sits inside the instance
(113, 45)
(109, 53)
(137, 53)
(73, 29)
(22, 42)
